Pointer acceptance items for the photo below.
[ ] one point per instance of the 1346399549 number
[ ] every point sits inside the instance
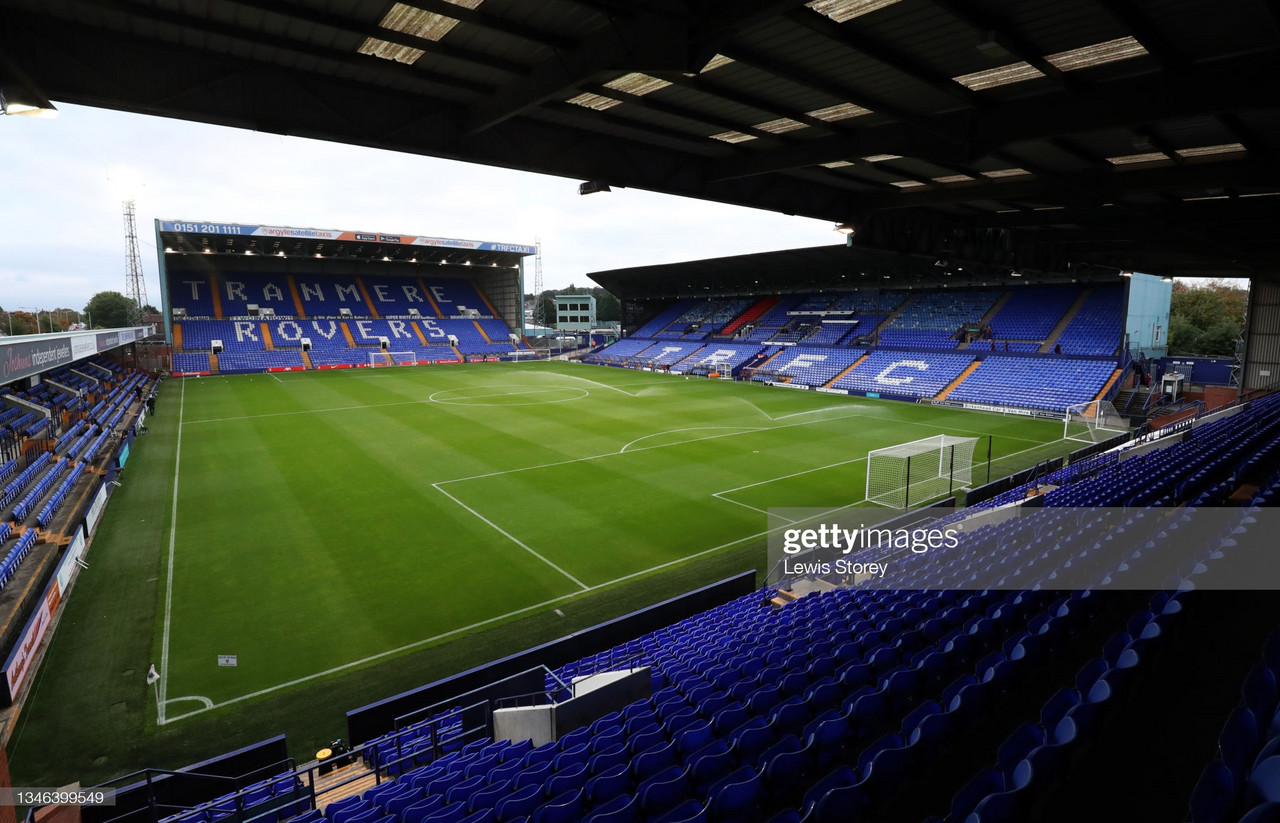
(44, 796)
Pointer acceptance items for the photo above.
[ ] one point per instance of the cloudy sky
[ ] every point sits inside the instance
(62, 236)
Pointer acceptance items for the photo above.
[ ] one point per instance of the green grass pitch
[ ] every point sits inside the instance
(326, 527)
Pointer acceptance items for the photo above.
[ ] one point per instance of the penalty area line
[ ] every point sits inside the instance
(497, 618)
(510, 536)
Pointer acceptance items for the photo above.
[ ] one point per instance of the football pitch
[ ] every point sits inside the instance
(324, 520)
(351, 534)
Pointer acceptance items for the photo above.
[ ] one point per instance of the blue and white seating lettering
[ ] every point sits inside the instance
(884, 376)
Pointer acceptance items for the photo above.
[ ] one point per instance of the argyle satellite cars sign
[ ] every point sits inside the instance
(236, 229)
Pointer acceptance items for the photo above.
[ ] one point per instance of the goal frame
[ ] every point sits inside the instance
(1092, 422)
(374, 356)
(938, 451)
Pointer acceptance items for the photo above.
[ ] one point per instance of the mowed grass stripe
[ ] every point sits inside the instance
(325, 554)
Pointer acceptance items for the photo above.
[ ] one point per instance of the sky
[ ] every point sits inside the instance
(62, 232)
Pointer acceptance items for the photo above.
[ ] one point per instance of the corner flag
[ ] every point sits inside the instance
(152, 675)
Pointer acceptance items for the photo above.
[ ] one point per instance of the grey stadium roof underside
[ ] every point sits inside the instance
(1135, 134)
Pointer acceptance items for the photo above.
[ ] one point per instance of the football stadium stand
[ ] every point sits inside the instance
(262, 320)
(1031, 314)
(929, 699)
(808, 341)
(915, 375)
(1095, 329)
(1038, 383)
(809, 366)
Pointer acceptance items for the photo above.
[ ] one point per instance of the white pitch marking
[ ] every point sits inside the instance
(691, 429)
(509, 536)
(163, 685)
(592, 382)
(633, 451)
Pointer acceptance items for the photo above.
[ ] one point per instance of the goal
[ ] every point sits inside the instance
(392, 358)
(919, 471)
(1093, 422)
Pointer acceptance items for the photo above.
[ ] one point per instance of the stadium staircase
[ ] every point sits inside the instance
(431, 298)
(346, 332)
(1131, 402)
(1065, 320)
(368, 301)
(986, 319)
(1115, 375)
(480, 329)
(267, 343)
(213, 363)
(177, 337)
(964, 375)
(889, 318)
(298, 306)
(855, 364)
(750, 315)
(216, 295)
(306, 360)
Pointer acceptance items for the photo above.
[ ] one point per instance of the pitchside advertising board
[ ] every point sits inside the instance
(186, 227)
(20, 662)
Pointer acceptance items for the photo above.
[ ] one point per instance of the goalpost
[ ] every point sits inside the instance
(1092, 422)
(920, 470)
(392, 358)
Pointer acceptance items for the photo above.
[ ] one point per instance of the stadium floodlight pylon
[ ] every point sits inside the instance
(1093, 422)
(920, 470)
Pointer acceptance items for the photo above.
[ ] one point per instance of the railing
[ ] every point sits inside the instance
(541, 697)
(238, 788)
(440, 734)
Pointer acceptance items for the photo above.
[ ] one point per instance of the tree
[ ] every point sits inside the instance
(608, 307)
(1206, 318)
(110, 309)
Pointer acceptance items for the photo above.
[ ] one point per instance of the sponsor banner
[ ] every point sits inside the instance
(84, 345)
(445, 362)
(128, 336)
(334, 366)
(75, 551)
(287, 368)
(18, 665)
(108, 340)
(188, 227)
(24, 358)
(192, 373)
(782, 385)
(95, 508)
(833, 391)
(1011, 410)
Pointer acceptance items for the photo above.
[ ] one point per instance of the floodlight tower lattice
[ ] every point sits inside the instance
(135, 285)
(539, 311)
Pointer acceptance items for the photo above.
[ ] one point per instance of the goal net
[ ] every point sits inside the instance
(392, 358)
(919, 471)
(1093, 422)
